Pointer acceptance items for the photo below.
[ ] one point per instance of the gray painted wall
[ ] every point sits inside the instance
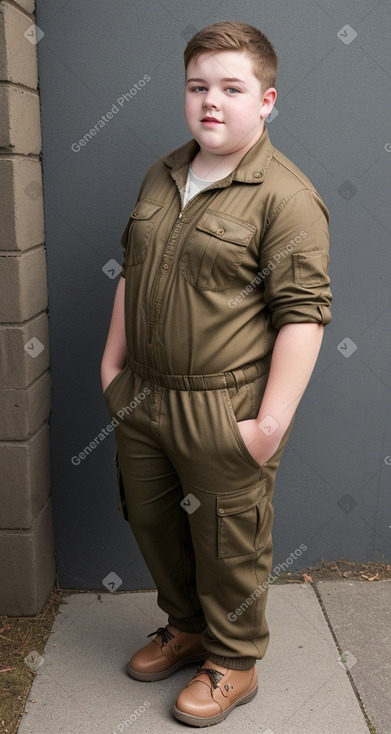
(333, 485)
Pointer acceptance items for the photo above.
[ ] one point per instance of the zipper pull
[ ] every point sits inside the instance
(180, 215)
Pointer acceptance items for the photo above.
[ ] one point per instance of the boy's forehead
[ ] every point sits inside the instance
(224, 64)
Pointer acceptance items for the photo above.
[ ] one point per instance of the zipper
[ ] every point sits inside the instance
(159, 287)
(193, 198)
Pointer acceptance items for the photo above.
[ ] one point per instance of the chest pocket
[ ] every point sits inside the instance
(214, 251)
(142, 222)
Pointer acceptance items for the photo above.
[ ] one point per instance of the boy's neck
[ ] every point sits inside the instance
(213, 167)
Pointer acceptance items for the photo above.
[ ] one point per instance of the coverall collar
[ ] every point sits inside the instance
(251, 169)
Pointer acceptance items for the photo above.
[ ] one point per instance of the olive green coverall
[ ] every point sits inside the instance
(208, 286)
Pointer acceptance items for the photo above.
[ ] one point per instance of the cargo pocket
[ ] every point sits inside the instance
(142, 222)
(120, 491)
(245, 519)
(215, 250)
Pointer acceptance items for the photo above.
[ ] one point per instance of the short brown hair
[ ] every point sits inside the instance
(232, 35)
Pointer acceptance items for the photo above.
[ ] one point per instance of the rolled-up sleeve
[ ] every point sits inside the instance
(294, 258)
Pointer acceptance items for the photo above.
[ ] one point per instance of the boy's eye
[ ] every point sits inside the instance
(231, 90)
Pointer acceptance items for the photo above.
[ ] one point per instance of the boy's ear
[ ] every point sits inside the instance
(267, 102)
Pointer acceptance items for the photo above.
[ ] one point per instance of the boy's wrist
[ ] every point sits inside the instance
(272, 426)
(108, 374)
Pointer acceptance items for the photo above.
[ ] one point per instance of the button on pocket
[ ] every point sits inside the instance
(245, 519)
(142, 223)
(214, 250)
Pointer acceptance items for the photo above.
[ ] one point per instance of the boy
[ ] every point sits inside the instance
(216, 327)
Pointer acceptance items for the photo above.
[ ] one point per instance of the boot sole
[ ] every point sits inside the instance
(211, 720)
(200, 657)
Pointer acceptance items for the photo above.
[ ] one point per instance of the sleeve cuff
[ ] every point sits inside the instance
(320, 314)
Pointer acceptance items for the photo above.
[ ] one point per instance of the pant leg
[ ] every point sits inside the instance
(153, 492)
(229, 506)
(211, 556)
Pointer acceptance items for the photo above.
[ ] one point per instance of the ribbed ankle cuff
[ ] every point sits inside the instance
(232, 663)
(195, 627)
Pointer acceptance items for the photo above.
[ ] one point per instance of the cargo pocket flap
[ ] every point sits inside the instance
(244, 521)
(234, 502)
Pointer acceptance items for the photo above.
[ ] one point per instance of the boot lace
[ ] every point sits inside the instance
(214, 675)
(166, 635)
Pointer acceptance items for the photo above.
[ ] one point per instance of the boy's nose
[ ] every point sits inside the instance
(210, 100)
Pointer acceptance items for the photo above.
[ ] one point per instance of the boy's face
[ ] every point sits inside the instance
(223, 86)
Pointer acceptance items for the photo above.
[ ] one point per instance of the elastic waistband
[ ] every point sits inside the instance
(234, 378)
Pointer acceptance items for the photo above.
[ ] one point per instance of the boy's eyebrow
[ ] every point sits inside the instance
(225, 79)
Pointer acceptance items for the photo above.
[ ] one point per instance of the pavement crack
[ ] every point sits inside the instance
(371, 727)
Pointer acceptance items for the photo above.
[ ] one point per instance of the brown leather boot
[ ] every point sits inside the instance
(164, 655)
(212, 694)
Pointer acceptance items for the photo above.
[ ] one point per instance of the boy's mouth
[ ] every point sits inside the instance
(211, 119)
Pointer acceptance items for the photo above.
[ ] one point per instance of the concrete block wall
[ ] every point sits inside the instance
(27, 563)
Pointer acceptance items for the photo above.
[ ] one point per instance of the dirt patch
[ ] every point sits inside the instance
(342, 569)
(20, 638)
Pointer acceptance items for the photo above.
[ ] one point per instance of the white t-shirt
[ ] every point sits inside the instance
(194, 185)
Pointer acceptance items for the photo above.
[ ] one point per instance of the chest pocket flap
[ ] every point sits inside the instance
(145, 209)
(215, 250)
(225, 228)
(142, 222)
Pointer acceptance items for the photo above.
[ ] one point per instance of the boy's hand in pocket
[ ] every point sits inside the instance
(262, 442)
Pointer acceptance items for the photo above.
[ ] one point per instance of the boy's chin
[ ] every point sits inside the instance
(212, 142)
(215, 149)
(218, 148)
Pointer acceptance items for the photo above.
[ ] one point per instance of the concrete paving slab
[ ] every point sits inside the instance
(360, 615)
(82, 688)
